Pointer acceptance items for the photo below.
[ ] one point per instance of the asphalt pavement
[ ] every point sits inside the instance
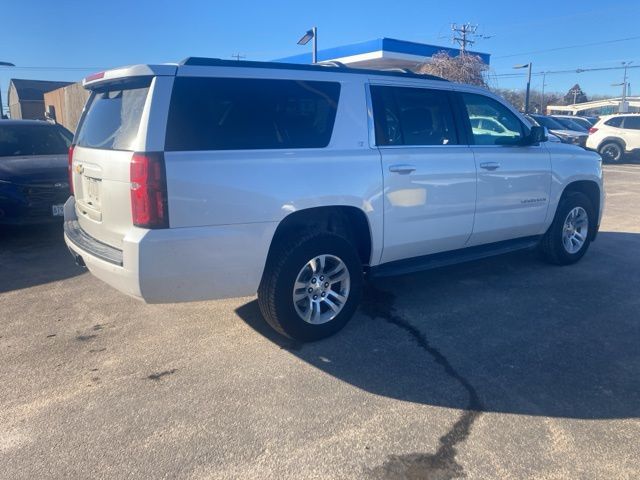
(501, 368)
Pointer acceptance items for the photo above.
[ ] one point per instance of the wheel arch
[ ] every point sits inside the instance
(341, 219)
(591, 190)
(611, 139)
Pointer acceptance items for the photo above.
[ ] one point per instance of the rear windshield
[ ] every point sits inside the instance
(112, 116)
(19, 140)
(241, 113)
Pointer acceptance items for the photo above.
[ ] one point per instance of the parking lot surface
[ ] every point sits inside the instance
(501, 368)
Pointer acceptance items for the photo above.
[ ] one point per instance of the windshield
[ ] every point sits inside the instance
(112, 116)
(548, 122)
(26, 140)
(570, 124)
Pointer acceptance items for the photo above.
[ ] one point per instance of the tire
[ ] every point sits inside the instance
(611, 152)
(291, 262)
(557, 246)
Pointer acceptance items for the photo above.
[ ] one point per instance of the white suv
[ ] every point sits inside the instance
(213, 179)
(615, 136)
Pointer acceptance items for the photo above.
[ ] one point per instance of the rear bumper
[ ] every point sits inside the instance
(179, 264)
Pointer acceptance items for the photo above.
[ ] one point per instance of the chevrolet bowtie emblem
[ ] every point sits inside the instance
(79, 169)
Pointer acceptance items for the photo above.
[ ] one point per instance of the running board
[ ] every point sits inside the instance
(437, 260)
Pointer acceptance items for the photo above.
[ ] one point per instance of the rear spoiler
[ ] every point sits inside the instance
(99, 78)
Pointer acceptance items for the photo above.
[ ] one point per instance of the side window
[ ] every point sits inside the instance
(241, 113)
(491, 122)
(412, 116)
(632, 122)
(614, 122)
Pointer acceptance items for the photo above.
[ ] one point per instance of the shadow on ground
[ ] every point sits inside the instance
(509, 334)
(34, 255)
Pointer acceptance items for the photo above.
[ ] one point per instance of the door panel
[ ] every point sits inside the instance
(431, 208)
(514, 180)
(429, 179)
(513, 197)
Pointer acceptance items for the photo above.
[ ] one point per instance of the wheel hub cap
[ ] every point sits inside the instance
(321, 289)
(575, 230)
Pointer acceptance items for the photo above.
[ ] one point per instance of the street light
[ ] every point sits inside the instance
(526, 98)
(623, 104)
(311, 35)
(3, 64)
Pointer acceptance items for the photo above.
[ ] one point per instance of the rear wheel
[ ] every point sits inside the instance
(568, 237)
(611, 152)
(311, 286)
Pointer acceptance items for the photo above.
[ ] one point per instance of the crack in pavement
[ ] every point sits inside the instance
(442, 464)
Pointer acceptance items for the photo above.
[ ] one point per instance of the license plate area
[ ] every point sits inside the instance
(91, 190)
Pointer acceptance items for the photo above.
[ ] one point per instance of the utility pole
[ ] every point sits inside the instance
(623, 103)
(461, 35)
(238, 57)
(575, 92)
(544, 84)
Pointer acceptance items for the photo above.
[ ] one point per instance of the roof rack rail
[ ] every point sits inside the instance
(318, 67)
(399, 70)
(332, 63)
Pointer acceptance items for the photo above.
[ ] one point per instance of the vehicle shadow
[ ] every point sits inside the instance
(34, 255)
(509, 334)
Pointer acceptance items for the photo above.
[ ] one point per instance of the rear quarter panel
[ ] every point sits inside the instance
(209, 188)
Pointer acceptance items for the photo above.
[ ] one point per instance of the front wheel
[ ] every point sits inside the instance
(311, 286)
(569, 236)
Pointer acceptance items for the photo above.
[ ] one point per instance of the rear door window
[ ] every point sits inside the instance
(412, 116)
(112, 116)
(241, 113)
(24, 140)
(614, 122)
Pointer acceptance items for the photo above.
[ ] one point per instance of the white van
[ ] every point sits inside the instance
(214, 178)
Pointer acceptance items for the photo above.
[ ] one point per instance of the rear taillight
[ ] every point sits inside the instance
(148, 191)
(70, 168)
(592, 130)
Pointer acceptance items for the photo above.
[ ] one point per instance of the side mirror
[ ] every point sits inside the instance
(536, 135)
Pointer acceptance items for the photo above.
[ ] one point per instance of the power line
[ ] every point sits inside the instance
(592, 44)
(557, 72)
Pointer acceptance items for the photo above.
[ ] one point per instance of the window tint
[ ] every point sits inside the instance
(412, 116)
(614, 122)
(632, 123)
(239, 113)
(491, 122)
(112, 116)
(18, 140)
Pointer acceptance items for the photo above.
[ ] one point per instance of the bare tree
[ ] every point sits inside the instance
(465, 68)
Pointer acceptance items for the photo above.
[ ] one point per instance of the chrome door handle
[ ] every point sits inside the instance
(402, 168)
(490, 165)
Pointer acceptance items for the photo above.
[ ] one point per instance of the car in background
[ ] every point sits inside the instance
(571, 124)
(566, 135)
(615, 136)
(34, 178)
(586, 122)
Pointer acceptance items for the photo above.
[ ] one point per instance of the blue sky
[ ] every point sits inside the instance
(60, 36)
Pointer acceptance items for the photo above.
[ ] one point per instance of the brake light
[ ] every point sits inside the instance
(70, 168)
(148, 191)
(592, 130)
(94, 76)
